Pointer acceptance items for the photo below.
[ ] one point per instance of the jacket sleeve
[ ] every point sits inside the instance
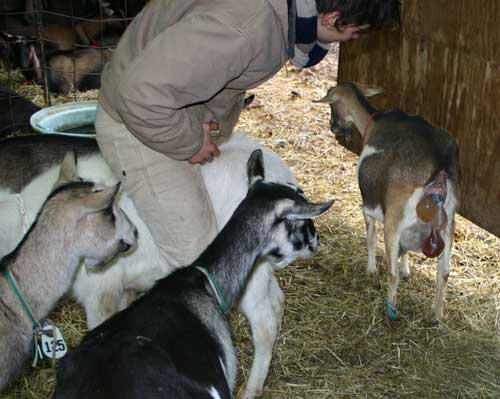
(185, 65)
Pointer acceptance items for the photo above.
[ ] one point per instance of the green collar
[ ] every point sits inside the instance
(13, 284)
(215, 287)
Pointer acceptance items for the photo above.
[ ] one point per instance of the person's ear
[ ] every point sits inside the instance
(329, 19)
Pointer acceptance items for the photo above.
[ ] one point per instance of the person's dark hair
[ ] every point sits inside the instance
(377, 13)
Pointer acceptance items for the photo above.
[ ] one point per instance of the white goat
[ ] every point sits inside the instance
(76, 223)
(408, 176)
(29, 164)
(174, 341)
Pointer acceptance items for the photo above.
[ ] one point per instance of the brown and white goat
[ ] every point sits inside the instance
(408, 175)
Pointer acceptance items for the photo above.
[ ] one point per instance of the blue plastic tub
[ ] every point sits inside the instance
(70, 119)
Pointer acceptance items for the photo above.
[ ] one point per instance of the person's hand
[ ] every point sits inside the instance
(208, 150)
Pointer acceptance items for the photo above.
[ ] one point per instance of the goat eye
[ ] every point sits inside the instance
(276, 253)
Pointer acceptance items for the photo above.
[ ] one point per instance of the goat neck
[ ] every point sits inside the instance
(38, 252)
(359, 108)
(232, 255)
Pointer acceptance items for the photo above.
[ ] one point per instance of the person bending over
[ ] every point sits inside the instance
(175, 86)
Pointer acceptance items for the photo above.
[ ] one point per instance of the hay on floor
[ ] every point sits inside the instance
(334, 342)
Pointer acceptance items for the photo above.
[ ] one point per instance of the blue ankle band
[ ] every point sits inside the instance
(391, 312)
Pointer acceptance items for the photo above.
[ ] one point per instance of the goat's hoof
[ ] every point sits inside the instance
(436, 315)
(390, 323)
(375, 281)
(257, 393)
(430, 320)
(439, 317)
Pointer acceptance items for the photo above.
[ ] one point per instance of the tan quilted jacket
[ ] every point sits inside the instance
(184, 62)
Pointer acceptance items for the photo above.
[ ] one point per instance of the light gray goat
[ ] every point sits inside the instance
(408, 174)
(76, 223)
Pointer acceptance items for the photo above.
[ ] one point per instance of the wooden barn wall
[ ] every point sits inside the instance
(443, 63)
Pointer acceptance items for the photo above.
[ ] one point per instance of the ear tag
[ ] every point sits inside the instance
(50, 342)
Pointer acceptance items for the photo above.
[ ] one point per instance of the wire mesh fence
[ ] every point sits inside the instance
(54, 51)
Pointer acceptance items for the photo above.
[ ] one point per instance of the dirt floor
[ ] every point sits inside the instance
(334, 341)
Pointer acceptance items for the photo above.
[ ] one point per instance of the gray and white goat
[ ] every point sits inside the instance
(408, 174)
(29, 166)
(174, 341)
(76, 223)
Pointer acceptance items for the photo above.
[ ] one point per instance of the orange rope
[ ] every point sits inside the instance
(370, 121)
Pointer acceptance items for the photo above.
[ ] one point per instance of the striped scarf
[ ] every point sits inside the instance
(304, 49)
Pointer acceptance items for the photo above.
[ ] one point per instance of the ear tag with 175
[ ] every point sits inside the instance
(51, 344)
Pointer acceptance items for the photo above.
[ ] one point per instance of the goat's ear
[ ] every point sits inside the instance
(368, 90)
(308, 211)
(67, 173)
(103, 199)
(329, 97)
(255, 167)
(68, 167)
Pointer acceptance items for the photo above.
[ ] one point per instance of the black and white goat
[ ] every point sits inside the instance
(408, 174)
(29, 166)
(174, 341)
(76, 223)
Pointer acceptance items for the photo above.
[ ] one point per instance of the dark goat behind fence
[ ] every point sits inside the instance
(68, 44)
(79, 69)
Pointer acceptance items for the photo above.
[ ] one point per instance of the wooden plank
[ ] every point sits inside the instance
(444, 65)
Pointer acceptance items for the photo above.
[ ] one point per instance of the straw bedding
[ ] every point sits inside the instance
(334, 341)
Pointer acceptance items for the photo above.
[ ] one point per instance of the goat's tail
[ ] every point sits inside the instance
(449, 163)
(447, 160)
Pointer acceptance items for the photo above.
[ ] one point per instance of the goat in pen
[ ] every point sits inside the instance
(408, 174)
(76, 223)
